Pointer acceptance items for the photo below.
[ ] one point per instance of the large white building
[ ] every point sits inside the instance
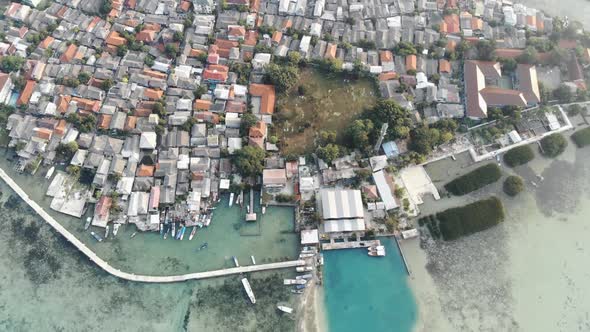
(342, 210)
(6, 87)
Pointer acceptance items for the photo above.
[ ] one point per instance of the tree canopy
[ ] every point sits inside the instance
(282, 77)
(553, 145)
(359, 133)
(11, 63)
(513, 185)
(249, 160)
(398, 118)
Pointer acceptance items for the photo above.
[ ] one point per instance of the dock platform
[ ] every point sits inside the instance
(350, 244)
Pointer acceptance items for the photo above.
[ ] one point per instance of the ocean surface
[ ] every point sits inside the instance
(364, 293)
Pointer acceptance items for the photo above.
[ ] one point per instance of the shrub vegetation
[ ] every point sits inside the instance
(474, 180)
(513, 185)
(454, 223)
(519, 156)
(553, 145)
(582, 137)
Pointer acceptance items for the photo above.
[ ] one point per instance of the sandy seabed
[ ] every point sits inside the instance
(529, 273)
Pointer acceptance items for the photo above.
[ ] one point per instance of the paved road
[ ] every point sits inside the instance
(130, 276)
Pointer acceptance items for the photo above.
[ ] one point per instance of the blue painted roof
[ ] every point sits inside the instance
(390, 148)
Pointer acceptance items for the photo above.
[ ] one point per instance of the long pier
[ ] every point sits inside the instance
(130, 276)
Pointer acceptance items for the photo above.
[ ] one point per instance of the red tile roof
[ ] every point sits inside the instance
(267, 97)
(27, 92)
(69, 54)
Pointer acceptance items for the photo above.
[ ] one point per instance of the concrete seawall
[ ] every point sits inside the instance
(130, 276)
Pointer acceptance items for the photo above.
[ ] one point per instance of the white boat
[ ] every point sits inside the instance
(193, 232)
(106, 232)
(236, 263)
(263, 209)
(306, 255)
(88, 221)
(285, 309)
(304, 268)
(377, 251)
(96, 236)
(294, 281)
(50, 172)
(231, 199)
(304, 276)
(208, 219)
(116, 229)
(133, 235)
(249, 290)
(253, 260)
(173, 230)
(297, 291)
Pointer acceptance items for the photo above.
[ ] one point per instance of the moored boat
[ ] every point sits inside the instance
(182, 231)
(96, 236)
(50, 173)
(249, 290)
(300, 287)
(304, 276)
(253, 260)
(133, 235)
(263, 209)
(231, 199)
(193, 232)
(294, 281)
(304, 268)
(236, 263)
(296, 291)
(285, 309)
(88, 221)
(106, 232)
(174, 230)
(116, 229)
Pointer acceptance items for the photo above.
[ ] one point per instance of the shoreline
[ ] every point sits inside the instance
(312, 317)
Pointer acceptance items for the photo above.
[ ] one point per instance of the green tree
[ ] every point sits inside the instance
(250, 160)
(529, 55)
(553, 145)
(513, 185)
(359, 133)
(248, 120)
(107, 84)
(398, 119)
(84, 77)
(66, 151)
(328, 153)
(519, 156)
(282, 77)
(10, 63)
(508, 65)
(171, 50)
(178, 36)
(159, 108)
(563, 94)
(485, 49)
(200, 91)
(122, 50)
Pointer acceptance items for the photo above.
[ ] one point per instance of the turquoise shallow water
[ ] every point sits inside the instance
(364, 293)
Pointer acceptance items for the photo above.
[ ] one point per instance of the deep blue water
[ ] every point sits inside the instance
(364, 293)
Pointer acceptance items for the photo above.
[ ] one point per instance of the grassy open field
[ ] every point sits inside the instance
(329, 103)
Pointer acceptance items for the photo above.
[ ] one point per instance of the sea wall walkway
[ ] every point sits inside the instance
(130, 276)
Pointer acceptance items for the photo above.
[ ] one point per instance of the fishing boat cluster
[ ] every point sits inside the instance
(376, 251)
(301, 280)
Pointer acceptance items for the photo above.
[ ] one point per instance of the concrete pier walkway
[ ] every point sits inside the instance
(130, 276)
